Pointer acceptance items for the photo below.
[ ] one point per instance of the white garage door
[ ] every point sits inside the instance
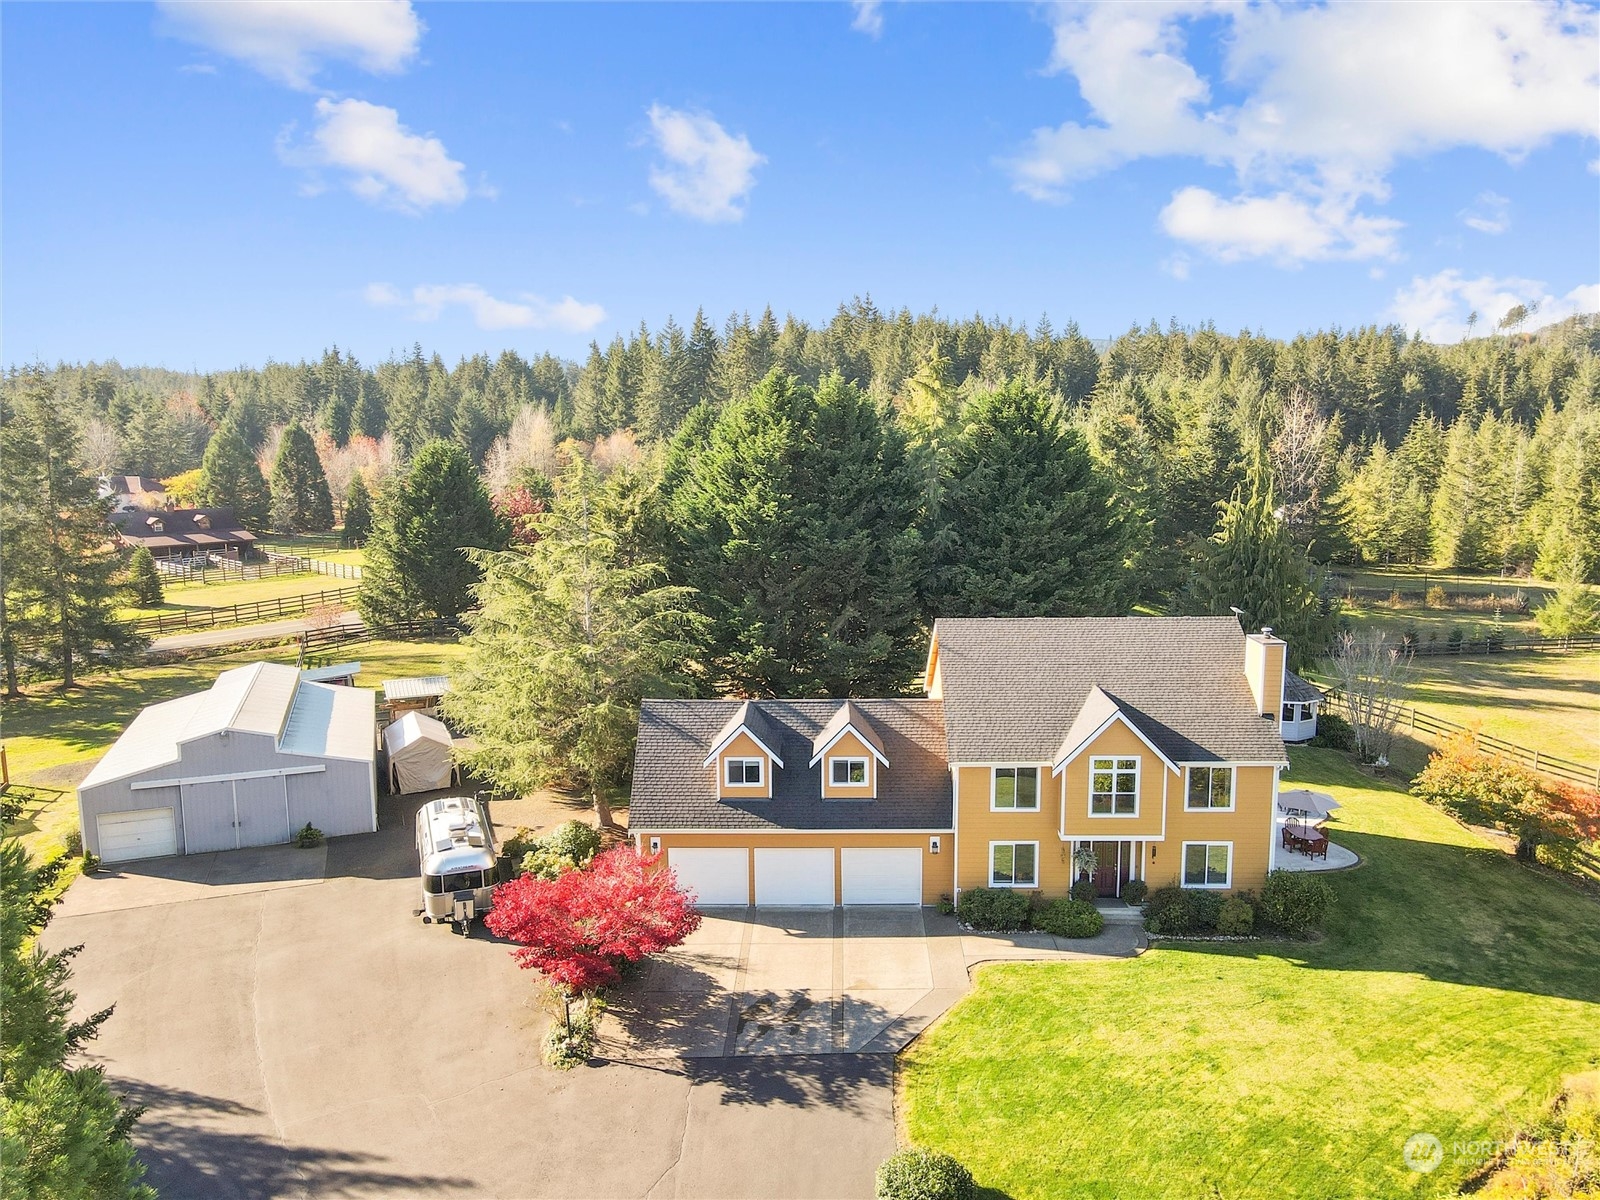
(794, 877)
(882, 876)
(715, 876)
(145, 833)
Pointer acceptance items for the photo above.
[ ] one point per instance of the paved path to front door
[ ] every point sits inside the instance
(815, 981)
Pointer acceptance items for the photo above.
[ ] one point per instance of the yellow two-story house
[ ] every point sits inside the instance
(1043, 751)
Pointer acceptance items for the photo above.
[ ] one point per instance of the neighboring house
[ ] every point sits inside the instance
(132, 491)
(245, 763)
(1301, 700)
(1153, 741)
(183, 532)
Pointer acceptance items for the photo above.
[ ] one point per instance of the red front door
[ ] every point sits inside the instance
(1111, 868)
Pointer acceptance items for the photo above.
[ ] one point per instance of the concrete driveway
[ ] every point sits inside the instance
(294, 1030)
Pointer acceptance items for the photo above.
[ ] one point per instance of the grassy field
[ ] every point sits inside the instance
(53, 737)
(1411, 614)
(1548, 702)
(1453, 992)
(180, 596)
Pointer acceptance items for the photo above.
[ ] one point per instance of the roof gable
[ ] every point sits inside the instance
(748, 719)
(1100, 711)
(849, 719)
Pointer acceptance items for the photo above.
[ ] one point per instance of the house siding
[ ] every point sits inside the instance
(936, 868)
(849, 746)
(744, 746)
(1249, 827)
(978, 827)
(1156, 782)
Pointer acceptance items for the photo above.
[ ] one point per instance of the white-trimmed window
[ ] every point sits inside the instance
(847, 772)
(1113, 787)
(1210, 788)
(1294, 710)
(1207, 864)
(1014, 789)
(743, 772)
(1013, 864)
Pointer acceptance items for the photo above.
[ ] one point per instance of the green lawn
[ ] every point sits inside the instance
(1548, 702)
(180, 596)
(52, 737)
(1453, 992)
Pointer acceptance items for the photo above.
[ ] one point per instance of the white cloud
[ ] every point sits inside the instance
(1437, 306)
(1323, 99)
(868, 18)
(1282, 227)
(383, 161)
(708, 172)
(289, 40)
(1490, 213)
(427, 302)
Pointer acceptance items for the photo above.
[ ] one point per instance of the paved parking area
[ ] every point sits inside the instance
(294, 1030)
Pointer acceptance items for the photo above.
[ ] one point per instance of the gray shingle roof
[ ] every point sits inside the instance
(749, 717)
(851, 716)
(1299, 690)
(1013, 687)
(672, 789)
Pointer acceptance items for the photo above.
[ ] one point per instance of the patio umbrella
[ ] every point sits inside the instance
(1314, 805)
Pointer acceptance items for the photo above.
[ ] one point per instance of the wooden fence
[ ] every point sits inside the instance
(1414, 720)
(1497, 644)
(243, 614)
(315, 566)
(315, 642)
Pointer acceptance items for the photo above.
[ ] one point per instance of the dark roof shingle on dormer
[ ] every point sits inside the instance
(672, 788)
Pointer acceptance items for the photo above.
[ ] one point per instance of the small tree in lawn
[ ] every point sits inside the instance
(578, 928)
(144, 581)
(566, 642)
(1372, 676)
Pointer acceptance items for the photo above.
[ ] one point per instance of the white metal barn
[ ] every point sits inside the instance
(418, 750)
(246, 763)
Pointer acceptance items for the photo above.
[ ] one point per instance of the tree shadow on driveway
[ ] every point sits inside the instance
(200, 1146)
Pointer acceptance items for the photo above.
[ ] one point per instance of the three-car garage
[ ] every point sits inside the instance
(800, 876)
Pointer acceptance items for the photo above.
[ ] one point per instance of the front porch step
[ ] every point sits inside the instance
(1117, 913)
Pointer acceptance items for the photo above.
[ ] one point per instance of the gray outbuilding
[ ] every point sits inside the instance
(248, 762)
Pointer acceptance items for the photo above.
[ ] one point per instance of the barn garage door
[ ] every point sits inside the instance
(882, 876)
(715, 876)
(144, 833)
(794, 877)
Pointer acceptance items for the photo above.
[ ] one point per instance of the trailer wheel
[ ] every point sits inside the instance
(427, 920)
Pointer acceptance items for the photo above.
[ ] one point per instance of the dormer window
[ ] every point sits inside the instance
(744, 772)
(202, 521)
(156, 524)
(848, 772)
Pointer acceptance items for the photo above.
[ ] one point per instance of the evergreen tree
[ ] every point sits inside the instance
(357, 513)
(1027, 523)
(230, 478)
(416, 562)
(567, 641)
(300, 499)
(473, 430)
(1574, 608)
(144, 581)
(1462, 505)
(795, 515)
(62, 1131)
(57, 568)
(368, 417)
(700, 372)
(665, 400)
(1253, 564)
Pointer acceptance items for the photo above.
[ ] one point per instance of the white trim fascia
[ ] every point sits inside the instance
(933, 653)
(728, 741)
(1061, 763)
(848, 728)
(145, 785)
(955, 833)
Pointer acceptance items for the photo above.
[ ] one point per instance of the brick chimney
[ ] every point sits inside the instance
(1264, 659)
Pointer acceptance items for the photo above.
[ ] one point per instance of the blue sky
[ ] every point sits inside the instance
(202, 185)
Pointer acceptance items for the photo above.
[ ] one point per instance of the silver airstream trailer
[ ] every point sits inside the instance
(457, 855)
